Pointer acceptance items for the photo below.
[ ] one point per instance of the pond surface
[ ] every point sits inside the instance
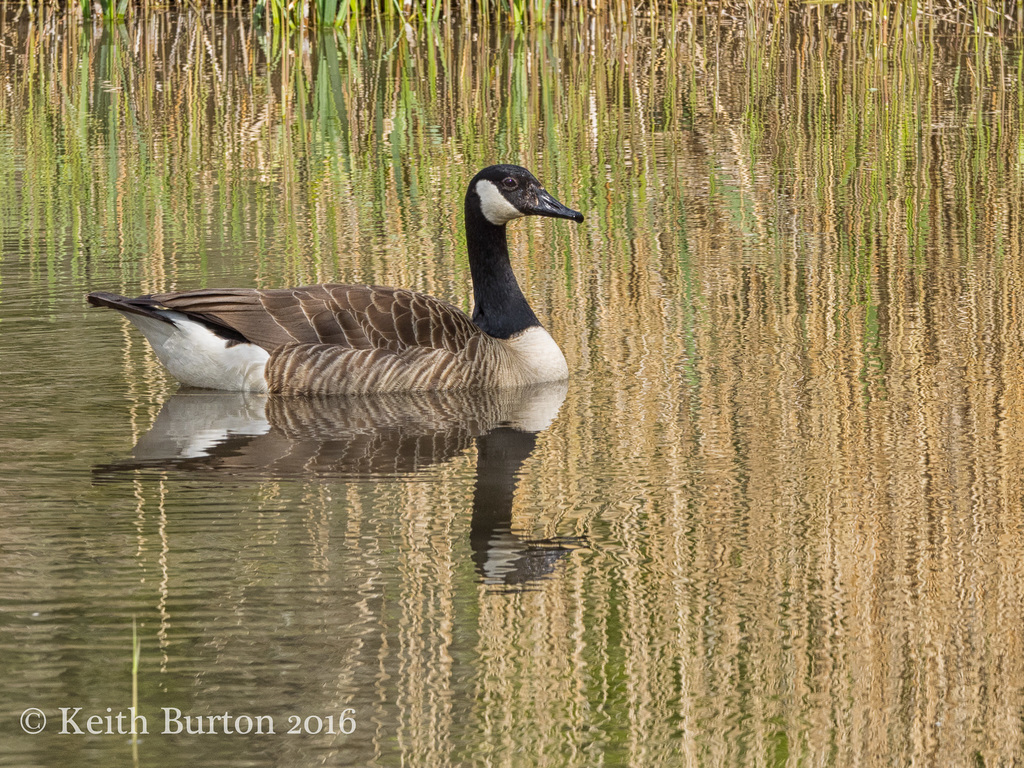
(774, 518)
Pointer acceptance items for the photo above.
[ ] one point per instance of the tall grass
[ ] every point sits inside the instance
(1000, 17)
(793, 313)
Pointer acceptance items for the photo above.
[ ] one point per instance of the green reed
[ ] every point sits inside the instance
(353, 108)
(844, 156)
(109, 10)
(136, 657)
(331, 92)
(887, 16)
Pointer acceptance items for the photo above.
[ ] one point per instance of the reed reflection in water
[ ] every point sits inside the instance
(369, 438)
(791, 444)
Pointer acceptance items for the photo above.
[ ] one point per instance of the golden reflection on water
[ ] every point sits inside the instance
(789, 451)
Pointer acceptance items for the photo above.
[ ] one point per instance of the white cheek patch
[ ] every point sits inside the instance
(495, 207)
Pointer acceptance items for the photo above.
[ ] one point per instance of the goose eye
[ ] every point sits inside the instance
(508, 183)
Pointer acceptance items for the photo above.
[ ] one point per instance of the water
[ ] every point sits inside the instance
(773, 519)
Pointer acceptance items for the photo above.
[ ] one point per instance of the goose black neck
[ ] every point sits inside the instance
(500, 308)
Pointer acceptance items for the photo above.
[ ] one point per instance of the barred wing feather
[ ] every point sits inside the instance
(353, 316)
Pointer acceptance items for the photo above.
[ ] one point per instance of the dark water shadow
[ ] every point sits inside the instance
(223, 436)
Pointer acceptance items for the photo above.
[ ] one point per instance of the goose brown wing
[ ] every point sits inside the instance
(358, 317)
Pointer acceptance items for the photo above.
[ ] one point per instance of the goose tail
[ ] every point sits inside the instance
(144, 306)
(197, 352)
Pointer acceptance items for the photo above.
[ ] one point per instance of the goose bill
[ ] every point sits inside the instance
(546, 205)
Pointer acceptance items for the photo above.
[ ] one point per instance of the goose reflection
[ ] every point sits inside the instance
(241, 435)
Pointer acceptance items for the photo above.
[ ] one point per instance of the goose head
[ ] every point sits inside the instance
(500, 193)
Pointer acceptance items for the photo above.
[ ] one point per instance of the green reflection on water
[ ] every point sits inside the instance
(790, 444)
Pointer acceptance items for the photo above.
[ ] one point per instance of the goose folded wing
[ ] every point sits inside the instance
(357, 317)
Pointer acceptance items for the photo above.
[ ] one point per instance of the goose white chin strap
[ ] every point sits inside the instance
(495, 208)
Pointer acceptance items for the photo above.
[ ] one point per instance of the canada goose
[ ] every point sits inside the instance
(357, 339)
